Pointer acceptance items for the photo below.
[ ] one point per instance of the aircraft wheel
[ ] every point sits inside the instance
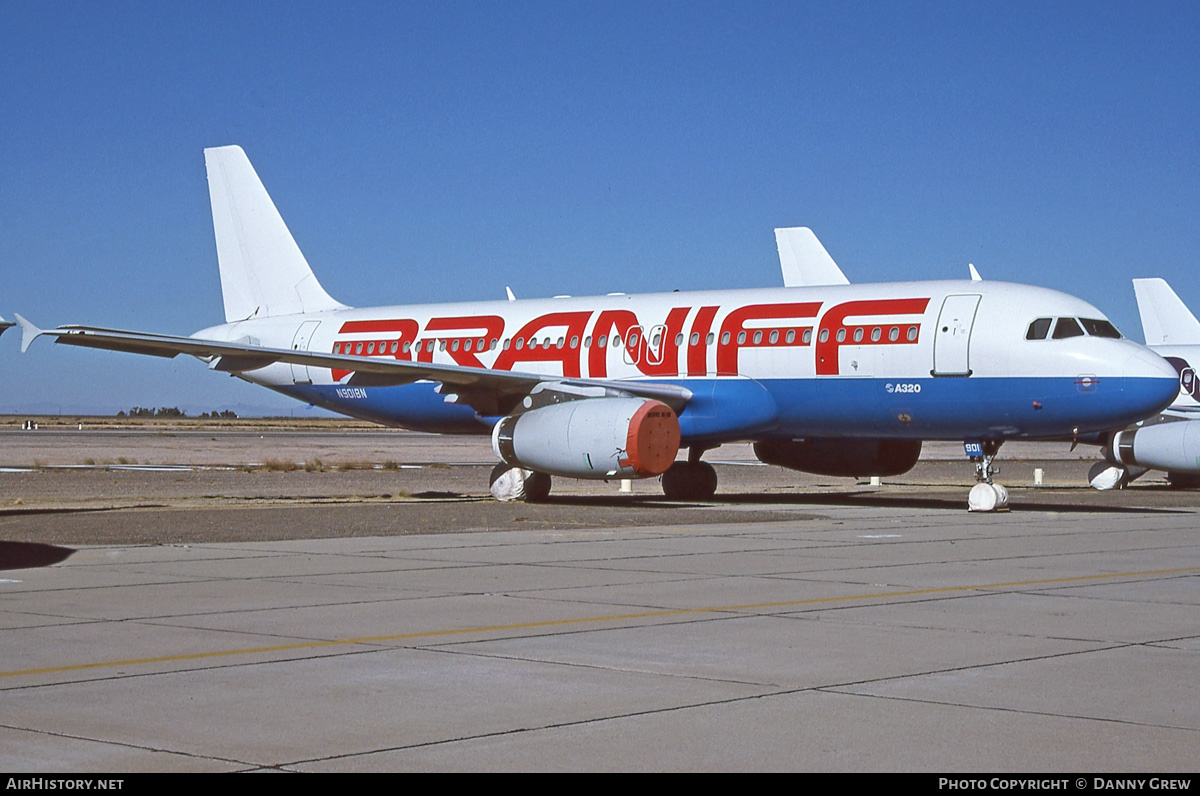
(689, 481)
(537, 487)
(1183, 480)
(515, 483)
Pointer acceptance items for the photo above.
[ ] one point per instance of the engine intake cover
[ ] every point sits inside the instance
(591, 438)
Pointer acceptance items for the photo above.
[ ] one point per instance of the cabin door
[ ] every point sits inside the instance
(952, 338)
(301, 342)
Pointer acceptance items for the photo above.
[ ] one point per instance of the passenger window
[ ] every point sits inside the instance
(790, 337)
(841, 335)
(1038, 329)
(858, 335)
(757, 338)
(774, 336)
(876, 333)
(806, 338)
(894, 334)
(1067, 327)
(725, 338)
(912, 333)
(710, 338)
(695, 340)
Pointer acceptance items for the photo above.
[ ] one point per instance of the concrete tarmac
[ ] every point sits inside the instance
(830, 628)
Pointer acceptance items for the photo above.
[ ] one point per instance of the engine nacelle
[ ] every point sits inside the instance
(849, 458)
(1173, 446)
(591, 438)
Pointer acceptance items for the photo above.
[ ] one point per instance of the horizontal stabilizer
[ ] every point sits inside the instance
(263, 271)
(804, 261)
(1166, 320)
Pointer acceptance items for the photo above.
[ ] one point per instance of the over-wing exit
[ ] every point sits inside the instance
(838, 379)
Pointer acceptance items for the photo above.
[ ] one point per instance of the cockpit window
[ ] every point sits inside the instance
(1067, 327)
(1099, 328)
(1038, 329)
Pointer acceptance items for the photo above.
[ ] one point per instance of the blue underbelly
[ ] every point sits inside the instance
(736, 408)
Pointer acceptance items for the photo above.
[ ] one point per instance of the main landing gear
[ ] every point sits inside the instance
(516, 483)
(985, 495)
(690, 480)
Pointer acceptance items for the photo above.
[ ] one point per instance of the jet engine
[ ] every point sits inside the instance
(591, 438)
(1170, 446)
(851, 458)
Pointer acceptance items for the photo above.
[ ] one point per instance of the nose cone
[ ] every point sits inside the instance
(1157, 381)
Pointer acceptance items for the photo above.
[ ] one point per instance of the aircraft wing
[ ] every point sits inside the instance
(490, 392)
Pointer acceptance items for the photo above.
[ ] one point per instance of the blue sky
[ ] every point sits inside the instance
(425, 152)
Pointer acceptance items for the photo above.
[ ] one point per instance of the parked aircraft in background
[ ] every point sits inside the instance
(1169, 441)
(804, 261)
(840, 379)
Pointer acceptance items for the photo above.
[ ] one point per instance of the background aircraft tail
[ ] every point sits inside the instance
(804, 261)
(263, 271)
(1166, 320)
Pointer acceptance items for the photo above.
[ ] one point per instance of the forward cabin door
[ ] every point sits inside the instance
(952, 340)
(300, 343)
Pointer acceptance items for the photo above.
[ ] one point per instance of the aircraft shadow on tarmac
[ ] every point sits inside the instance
(847, 499)
(27, 555)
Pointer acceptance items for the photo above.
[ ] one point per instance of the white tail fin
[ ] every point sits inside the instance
(263, 272)
(1166, 320)
(804, 261)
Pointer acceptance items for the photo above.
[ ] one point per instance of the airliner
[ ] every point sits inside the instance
(1169, 441)
(837, 379)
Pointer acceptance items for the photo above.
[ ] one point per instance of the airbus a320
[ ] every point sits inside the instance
(838, 379)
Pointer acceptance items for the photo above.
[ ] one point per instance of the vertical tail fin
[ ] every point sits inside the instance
(263, 271)
(1166, 320)
(804, 261)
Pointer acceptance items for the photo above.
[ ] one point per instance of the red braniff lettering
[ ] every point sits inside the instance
(834, 332)
(736, 335)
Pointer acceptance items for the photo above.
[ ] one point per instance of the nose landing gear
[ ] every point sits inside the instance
(986, 495)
